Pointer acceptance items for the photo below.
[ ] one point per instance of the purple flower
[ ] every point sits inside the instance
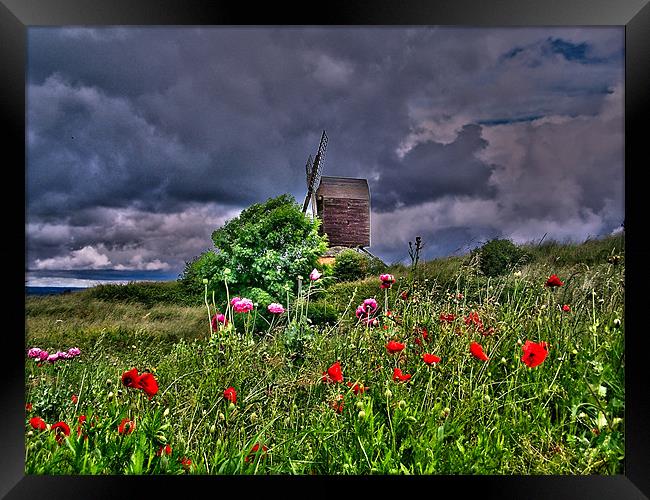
(43, 355)
(275, 308)
(53, 357)
(34, 352)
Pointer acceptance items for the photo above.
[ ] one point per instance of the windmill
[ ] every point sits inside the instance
(313, 171)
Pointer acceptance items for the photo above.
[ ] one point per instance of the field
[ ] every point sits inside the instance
(457, 415)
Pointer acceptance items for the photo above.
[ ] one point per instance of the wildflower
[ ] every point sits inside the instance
(360, 312)
(445, 412)
(334, 373)
(398, 376)
(473, 319)
(230, 394)
(566, 308)
(370, 305)
(447, 318)
(148, 384)
(404, 295)
(477, 351)
(517, 274)
(553, 281)
(429, 359)
(34, 353)
(314, 275)
(275, 308)
(216, 319)
(362, 415)
(126, 426)
(186, 463)
(53, 357)
(255, 451)
(394, 346)
(38, 423)
(243, 305)
(74, 351)
(164, 450)
(387, 280)
(357, 388)
(534, 353)
(43, 355)
(61, 429)
(82, 421)
(28, 407)
(234, 300)
(131, 378)
(370, 321)
(74, 399)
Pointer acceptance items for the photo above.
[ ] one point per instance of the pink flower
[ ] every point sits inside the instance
(387, 280)
(360, 312)
(53, 357)
(243, 305)
(34, 352)
(74, 351)
(216, 319)
(234, 300)
(370, 321)
(275, 308)
(43, 355)
(314, 275)
(370, 305)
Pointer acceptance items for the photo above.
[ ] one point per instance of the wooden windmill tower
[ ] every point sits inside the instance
(342, 204)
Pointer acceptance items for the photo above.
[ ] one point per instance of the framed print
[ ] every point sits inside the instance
(378, 245)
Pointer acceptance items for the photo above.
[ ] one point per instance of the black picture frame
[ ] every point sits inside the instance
(634, 15)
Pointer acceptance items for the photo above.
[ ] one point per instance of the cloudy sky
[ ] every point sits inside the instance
(142, 141)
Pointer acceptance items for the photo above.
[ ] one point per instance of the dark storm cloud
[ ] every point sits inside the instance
(137, 136)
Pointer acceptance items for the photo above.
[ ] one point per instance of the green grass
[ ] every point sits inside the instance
(461, 416)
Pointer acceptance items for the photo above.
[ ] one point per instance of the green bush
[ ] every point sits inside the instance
(321, 312)
(497, 257)
(350, 265)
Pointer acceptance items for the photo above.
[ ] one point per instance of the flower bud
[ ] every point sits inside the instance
(166, 412)
(445, 412)
(617, 323)
(253, 417)
(388, 394)
(486, 398)
(30, 433)
(110, 395)
(109, 381)
(362, 414)
(402, 403)
(213, 429)
(231, 406)
(359, 405)
(222, 416)
(205, 281)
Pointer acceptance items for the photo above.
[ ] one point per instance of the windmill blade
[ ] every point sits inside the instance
(314, 177)
(308, 170)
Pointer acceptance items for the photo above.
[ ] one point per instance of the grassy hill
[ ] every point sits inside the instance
(458, 415)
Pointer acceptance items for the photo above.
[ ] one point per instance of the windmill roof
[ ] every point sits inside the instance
(343, 187)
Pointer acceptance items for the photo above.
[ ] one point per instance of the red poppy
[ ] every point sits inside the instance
(473, 319)
(534, 353)
(186, 463)
(477, 351)
(429, 359)
(566, 308)
(230, 394)
(61, 429)
(28, 407)
(148, 384)
(167, 450)
(82, 421)
(358, 388)
(74, 399)
(404, 295)
(394, 346)
(126, 426)
(398, 376)
(334, 373)
(38, 423)
(553, 281)
(254, 451)
(131, 378)
(447, 318)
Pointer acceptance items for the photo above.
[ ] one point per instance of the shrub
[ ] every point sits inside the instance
(350, 265)
(497, 257)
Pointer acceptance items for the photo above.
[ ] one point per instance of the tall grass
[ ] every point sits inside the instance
(461, 415)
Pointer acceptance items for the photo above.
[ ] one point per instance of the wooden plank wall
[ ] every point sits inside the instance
(346, 222)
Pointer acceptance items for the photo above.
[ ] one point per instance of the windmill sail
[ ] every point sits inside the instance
(314, 174)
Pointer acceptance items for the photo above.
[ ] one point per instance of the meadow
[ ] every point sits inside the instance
(396, 387)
